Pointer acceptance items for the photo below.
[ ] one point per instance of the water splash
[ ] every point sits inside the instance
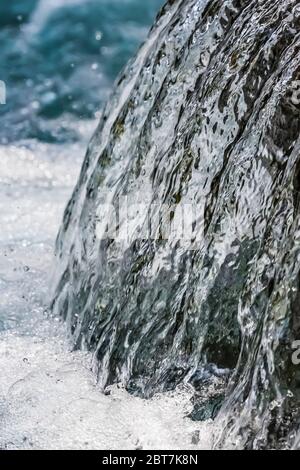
(49, 399)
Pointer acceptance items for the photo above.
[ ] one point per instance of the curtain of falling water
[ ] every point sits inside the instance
(207, 114)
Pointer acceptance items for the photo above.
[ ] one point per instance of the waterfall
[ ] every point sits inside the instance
(205, 117)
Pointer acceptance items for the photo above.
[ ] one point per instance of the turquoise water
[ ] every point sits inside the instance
(59, 59)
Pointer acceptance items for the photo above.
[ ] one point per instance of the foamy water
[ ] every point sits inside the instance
(49, 398)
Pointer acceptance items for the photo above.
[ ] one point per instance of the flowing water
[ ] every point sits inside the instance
(204, 119)
(57, 76)
(49, 397)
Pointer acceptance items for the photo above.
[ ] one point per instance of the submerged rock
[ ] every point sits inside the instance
(206, 116)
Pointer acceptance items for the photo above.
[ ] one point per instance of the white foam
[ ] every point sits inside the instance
(49, 400)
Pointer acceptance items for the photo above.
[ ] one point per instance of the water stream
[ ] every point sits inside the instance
(190, 333)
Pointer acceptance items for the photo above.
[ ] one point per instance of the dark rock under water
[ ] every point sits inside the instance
(207, 114)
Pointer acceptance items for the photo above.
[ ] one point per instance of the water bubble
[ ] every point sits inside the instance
(49, 97)
(35, 105)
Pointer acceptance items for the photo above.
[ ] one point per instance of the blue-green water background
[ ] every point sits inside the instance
(58, 59)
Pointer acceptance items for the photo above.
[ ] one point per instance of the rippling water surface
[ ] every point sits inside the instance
(208, 114)
(58, 59)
